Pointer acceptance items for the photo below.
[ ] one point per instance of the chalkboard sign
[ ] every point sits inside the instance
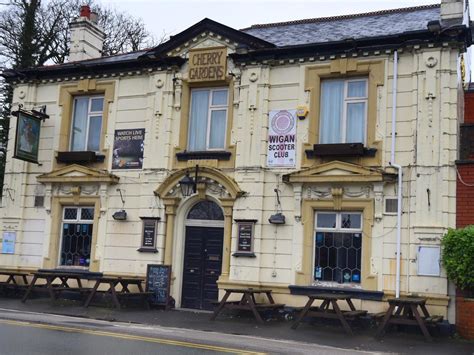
(158, 280)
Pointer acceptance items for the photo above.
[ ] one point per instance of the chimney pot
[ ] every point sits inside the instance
(94, 17)
(85, 11)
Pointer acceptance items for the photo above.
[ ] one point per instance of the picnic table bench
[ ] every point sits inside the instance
(122, 293)
(407, 314)
(247, 302)
(11, 283)
(55, 289)
(323, 311)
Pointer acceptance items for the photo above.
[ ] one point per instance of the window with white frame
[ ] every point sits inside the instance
(87, 123)
(343, 113)
(338, 247)
(76, 238)
(208, 119)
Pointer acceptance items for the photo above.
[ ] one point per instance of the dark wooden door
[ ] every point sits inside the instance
(202, 266)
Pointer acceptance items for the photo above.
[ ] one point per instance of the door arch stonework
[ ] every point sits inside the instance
(212, 184)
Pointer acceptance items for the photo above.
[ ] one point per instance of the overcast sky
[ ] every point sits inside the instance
(173, 16)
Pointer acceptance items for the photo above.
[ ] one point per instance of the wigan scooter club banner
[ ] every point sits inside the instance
(281, 150)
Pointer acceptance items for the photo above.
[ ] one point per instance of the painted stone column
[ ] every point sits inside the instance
(170, 210)
(227, 205)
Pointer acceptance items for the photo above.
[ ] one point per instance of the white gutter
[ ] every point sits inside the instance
(399, 168)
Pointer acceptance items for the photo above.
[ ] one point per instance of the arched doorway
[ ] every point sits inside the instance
(204, 237)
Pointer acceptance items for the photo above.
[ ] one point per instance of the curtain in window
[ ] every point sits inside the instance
(198, 120)
(217, 134)
(95, 126)
(79, 126)
(332, 97)
(355, 122)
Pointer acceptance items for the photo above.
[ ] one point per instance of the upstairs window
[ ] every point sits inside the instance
(87, 123)
(343, 115)
(208, 119)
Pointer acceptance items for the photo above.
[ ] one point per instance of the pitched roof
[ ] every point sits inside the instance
(338, 28)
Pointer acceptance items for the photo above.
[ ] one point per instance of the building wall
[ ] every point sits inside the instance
(426, 147)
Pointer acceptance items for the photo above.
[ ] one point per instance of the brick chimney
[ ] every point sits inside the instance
(87, 38)
(452, 11)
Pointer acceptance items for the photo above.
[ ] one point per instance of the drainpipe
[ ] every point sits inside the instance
(399, 168)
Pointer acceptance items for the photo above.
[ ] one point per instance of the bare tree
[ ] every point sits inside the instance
(34, 32)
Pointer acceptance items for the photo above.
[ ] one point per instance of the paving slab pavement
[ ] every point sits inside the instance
(393, 342)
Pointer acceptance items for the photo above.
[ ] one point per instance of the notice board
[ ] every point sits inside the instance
(158, 281)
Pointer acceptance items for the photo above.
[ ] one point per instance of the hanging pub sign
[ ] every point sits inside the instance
(128, 148)
(281, 150)
(27, 137)
(207, 64)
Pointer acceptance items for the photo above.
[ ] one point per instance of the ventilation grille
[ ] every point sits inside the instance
(39, 201)
(391, 205)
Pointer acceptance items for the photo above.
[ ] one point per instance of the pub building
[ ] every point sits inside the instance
(276, 156)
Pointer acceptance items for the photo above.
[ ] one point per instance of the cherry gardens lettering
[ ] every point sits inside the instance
(208, 64)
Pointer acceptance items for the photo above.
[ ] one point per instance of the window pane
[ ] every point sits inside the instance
(207, 210)
(356, 88)
(219, 97)
(351, 220)
(198, 120)
(217, 134)
(70, 213)
(79, 125)
(95, 126)
(326, 220)
(87, 213)
(97, 104)
(355, 123)
(337, 258)
(332, 96)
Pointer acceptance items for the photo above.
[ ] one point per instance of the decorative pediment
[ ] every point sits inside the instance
(78, 174)
(201, 33)
(335, 171)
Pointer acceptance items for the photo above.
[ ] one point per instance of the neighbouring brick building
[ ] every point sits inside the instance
(465, 164)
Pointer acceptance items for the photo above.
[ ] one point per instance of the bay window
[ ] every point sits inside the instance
(208, 119)
(343, 110)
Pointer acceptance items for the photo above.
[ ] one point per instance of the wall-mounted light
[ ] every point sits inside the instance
(278, 217)
(120, 215)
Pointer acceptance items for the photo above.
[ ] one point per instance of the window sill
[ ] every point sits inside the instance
(244, 254)
(340, 149)
(355, 293)
(79, 157)
(210, 154)
(147, 250)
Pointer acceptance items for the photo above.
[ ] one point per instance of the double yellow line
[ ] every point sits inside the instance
(129, 337)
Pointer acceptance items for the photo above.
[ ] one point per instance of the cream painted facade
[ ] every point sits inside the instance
(157, 99)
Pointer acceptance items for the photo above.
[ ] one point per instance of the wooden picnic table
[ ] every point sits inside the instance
(54, 289)
(323, 311)
(123, 292)
(247, 302)
(11, 280)
(407, 313)
(11, 283)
